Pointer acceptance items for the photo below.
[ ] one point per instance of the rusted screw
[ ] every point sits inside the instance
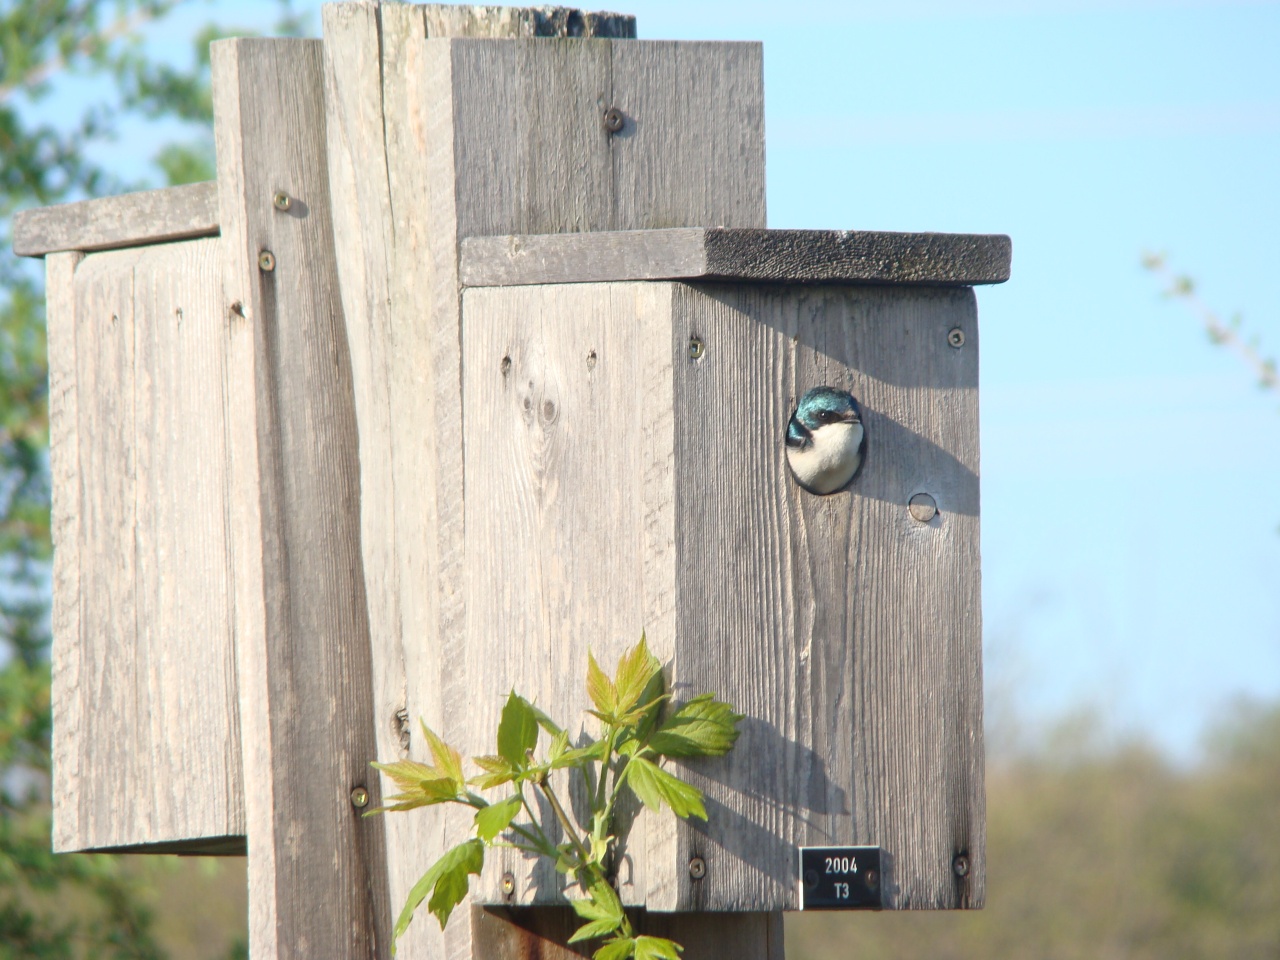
(922, 507)
(508, 884)
(697, 868)
(359, 798)
(282, 201)
(960, 865)
(613, 120)
(696, 348)
(955, 337)
(266, 261)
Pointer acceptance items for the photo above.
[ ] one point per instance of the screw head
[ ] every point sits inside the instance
(871, 878)
(508, 884)
(696, 348)
(266, 261)
(955, 337)
(960, 865)
(922, 508)
(613, 120)
(282, 201)
(359, 798)
(697, 868)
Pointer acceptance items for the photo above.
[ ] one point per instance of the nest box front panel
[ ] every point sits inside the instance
(146, 731)
(847, 626)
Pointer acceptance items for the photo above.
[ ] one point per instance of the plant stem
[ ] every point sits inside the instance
(604, 766)
(548, 847)
(565, 822)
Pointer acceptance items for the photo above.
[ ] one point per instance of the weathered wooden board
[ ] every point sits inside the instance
(474, 20)
(129, 220)
(691, 151)
(426, 148)
(642, 488)
(147, 742)
(64, 523)
(563, 557)
(776, 256)
(532, 154)
(317, 875)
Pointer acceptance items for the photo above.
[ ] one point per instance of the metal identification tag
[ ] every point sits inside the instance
(839, 878)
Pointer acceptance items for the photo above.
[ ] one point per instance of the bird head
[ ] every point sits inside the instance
(818, 408)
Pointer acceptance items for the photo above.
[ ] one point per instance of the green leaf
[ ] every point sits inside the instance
(654, 786)
(497, 772)
(559, 747)
(448, 761)
(594, 929)
(493, 819)
(657, 948)
(420, 784)
(517, 731)
(451, 888)
(605, 898)
(407, 774)
(591, 909)
(593, 751)
(703, 727)
(636, 670)
(619, 949)
(461, 860)
(601, 690)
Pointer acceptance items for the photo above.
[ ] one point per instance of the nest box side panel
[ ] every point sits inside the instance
(568, 440)
(146, 729)
(847, 630)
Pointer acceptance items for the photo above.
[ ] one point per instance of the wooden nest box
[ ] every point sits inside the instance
(478, 353)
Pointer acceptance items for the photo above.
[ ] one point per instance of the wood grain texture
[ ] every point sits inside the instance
(129, 220)
(847, 632)
(317, 875)
(147, 737)
(448, 137)
(462, 20)
(691, 152)
(531, 147)
(64, 522)
(777, 256)
(565, 527)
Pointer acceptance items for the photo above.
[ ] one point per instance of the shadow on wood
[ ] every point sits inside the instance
(542, 933)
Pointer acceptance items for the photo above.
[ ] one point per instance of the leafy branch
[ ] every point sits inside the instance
(627, 757)
(1229, 334)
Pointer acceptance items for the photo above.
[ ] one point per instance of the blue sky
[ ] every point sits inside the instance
(1131, 524)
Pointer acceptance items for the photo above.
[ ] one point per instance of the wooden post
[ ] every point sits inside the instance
(433, 139)
(317, 880)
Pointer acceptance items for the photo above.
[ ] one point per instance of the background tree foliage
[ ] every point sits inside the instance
(64, 906)
(1092, 851)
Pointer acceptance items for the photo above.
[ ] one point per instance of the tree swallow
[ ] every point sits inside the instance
(825, 440)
